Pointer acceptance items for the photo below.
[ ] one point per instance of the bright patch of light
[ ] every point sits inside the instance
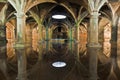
(58, 16)
(59, 64)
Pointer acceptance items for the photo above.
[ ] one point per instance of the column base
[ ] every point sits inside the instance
(42, 41)
(94, 45)
(21, 45)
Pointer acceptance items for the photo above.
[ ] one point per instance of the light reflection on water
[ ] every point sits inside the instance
(35, 62)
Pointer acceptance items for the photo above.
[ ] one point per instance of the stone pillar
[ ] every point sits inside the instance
(20, 33)
(47, 33)
(93, 30)
(50, 34)
(114, 36)
(118, 32)
(77, 33)
(40, 33)
(3, 34)
(70, 34)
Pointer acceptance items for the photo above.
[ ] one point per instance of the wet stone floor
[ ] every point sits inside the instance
(59, 61)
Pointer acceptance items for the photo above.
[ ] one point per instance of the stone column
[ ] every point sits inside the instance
(77, 33)
(70, 34)
(20, 33)
(47, 33)
(40, 33)
(118, 32)
(93, 30)
(50, 34)
(114, 31)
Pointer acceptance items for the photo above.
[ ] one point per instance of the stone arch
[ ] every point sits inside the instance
(110, 7)
(51, 1)
(104, 19)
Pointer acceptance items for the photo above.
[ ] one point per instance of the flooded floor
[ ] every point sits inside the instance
(59, 60)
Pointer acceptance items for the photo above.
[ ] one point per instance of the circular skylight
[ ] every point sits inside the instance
(59, 64)
(58, 16)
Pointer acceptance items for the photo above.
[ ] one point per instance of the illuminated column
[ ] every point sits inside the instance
(93, 30)
(50, 34)
(119, 32)
(20, 33)
(77, 33)
(70, 34)
(40, 33)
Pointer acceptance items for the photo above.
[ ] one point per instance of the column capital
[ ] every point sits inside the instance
(20, 14)
(97, 45)
(95, 12)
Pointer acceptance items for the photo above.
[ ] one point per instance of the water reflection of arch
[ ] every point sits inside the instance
(44, 67)
(60, 48)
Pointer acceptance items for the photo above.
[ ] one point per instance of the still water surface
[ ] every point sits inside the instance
(59, 61)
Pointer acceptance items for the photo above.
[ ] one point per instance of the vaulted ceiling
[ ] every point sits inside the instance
(45, 8)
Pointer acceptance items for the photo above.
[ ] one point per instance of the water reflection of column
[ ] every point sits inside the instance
(40, 52)
(3, 65)
(47, 35)
(77, 50)
(70, 34)
(21, 56)
(70, 46)
(47, 45)
(93, 60)
(115, 61)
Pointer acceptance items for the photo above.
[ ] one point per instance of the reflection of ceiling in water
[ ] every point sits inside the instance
(38, 65)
